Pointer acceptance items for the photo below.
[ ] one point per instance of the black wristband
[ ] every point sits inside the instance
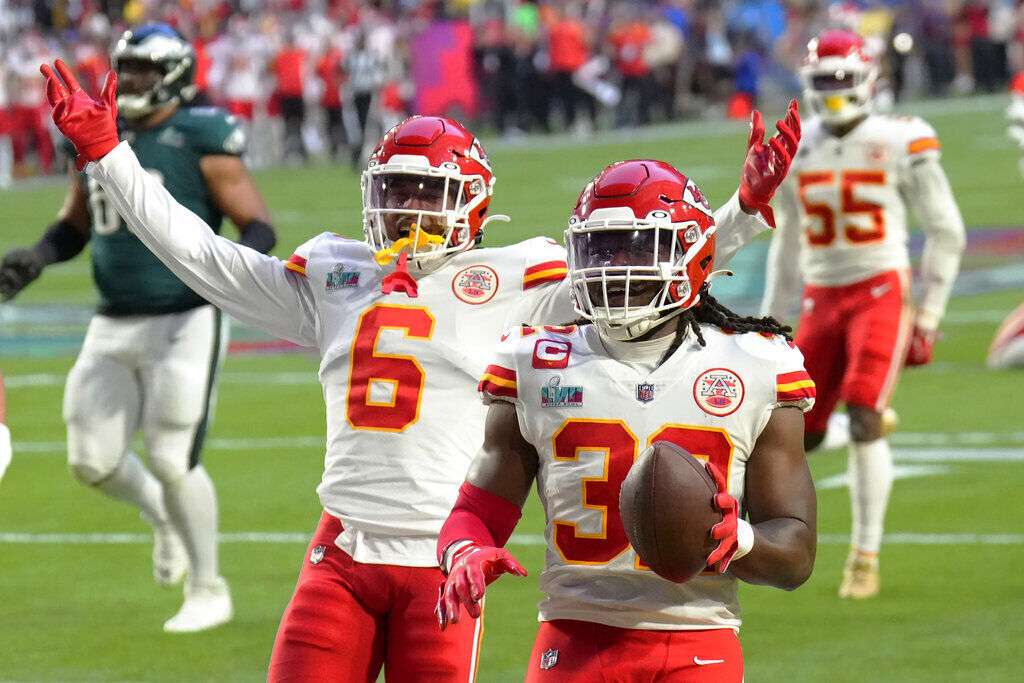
(60, 242)
(259, 236)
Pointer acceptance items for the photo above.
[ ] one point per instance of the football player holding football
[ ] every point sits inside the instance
(153, 349)
(842, 217)
(403, 322)
(655, 358)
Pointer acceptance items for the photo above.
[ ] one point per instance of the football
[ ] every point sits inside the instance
(667, 508)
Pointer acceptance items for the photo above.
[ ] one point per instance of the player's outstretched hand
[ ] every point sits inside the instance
(19, 267)
(90, 125)
(921, 344)
(473, 567)
(766, 165)
(725, 531)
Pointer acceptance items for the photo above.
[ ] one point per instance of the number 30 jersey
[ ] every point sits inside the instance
(589, 416)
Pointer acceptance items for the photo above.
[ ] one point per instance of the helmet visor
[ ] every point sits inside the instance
(621, 266)
(405, 201)
(137, 76)
(839, 80)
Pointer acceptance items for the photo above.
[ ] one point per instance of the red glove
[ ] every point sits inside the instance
(920, 351)
(726, 530)
(766, 166)
(473, 567)
(90, 125)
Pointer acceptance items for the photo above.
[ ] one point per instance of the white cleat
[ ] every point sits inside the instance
(889, 421)
(860, 577)
(170, 561)
(206, 606)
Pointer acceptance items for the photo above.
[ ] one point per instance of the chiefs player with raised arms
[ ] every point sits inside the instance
(842, 215)
(403, 322)
(572, 407)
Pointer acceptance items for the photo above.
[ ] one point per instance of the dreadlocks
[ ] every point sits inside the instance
(712, 312)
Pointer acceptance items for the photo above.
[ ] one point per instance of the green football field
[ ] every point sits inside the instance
(77, 601)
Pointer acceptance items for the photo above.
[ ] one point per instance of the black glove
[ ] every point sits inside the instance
(19, 267)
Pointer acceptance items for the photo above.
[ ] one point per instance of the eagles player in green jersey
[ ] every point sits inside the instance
(152, 351)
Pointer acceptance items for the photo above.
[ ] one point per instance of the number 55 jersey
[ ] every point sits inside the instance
(590, 415)
(843, 210)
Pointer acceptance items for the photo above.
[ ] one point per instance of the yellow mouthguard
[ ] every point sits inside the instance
(835, 102)
(386, 256)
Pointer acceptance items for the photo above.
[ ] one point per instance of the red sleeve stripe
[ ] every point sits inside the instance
(551, 271)
(499, 381)
(499, 373)
(795, 376)
(794, 386)
(297, 264)
(797, 394)
(921, 144)
(490, 387)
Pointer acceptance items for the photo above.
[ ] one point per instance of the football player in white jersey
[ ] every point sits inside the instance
(842, 218)
(404, 322)
(572, 406)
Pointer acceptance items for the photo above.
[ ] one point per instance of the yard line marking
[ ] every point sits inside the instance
(959, 455)
(54, 379)
(955, 439)
(214, 443)
(299, 537)
(842, 480)
(973, 317)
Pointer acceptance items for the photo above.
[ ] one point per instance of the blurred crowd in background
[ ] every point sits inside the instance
(323, 79)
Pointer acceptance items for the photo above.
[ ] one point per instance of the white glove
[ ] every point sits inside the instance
(5, 448)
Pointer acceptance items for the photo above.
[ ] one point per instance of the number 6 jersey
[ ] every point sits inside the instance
(590, 415)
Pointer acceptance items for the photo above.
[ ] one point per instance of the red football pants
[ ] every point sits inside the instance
(347, 619)
(569, 650)
(854, 341)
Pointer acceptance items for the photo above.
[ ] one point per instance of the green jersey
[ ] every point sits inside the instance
(130, 279)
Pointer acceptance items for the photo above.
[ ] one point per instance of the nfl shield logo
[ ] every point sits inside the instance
(317, 555)
(548, 659)
(645, 392)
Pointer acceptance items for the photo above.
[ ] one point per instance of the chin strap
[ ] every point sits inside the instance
(496, 217)
(716, 273)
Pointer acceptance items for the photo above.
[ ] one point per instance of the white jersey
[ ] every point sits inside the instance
(589, 416)
(399, 373)
(843, 208)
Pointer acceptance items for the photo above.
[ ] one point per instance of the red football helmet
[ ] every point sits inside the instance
(641, 243)
(429, 184)
(838, 77)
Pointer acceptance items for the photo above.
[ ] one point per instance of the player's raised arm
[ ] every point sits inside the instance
(470, 546)
(782, 277)
(250, 286)
(747, 213)
(781, 506)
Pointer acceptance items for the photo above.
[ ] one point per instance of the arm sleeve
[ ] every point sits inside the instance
(734, 228)
(500, 381)
(930, 197)
(793, 386)
(256, 289)
(782, 274)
